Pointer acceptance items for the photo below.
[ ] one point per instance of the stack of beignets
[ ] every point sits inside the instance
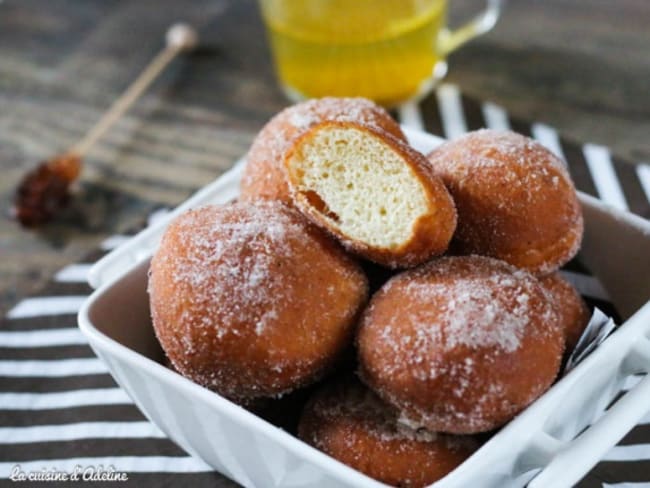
(258, 298)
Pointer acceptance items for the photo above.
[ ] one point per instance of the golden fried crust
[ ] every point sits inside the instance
(515, 200)
(430, 234)
(460, 345)
(264, 173)
(570, 307)
(250, 300)
(350, 423)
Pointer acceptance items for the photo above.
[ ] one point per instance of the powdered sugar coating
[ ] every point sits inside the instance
(496, 326)
(349, 422)
(264, 174)
(460, 345)
(250, 300)
(515, 199)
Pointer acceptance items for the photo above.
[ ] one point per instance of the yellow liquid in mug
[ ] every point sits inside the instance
(385, 50)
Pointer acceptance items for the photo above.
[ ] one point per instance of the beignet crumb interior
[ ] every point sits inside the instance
(360, 184)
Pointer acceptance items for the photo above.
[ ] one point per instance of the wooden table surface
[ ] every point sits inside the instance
(582, 66)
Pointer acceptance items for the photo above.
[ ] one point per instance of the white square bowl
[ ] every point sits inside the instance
(540, 442)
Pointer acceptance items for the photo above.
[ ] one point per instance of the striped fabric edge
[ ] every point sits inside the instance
(80, 430)
(641, 484)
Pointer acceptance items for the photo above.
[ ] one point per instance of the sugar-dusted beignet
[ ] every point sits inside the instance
(251, 300)
(461, 344)
(515, 199)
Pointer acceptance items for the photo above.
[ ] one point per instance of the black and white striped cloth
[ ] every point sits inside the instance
(59, 407)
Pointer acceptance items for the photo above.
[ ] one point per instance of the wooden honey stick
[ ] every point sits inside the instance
(45, 190)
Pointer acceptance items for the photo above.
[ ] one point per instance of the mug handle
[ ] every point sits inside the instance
(450, 40)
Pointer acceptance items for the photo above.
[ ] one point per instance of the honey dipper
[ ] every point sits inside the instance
(45, 190)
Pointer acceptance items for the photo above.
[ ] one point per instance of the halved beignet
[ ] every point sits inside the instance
(372, 191)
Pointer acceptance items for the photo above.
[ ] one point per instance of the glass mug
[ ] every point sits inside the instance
(387, 50)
